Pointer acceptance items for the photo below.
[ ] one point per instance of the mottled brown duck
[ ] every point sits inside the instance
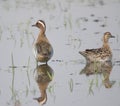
(42, 49)
(100, 54)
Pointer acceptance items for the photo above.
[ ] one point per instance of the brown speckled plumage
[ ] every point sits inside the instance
(100, 54)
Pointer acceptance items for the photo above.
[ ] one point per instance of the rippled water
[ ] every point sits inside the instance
(72, 26)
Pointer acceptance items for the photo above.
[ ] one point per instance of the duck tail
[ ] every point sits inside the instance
(82, 53)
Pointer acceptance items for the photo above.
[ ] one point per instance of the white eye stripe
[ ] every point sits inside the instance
(41, 23)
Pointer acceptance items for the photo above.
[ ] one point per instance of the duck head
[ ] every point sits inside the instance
(41, 100)
(40, 24)
(107, 35)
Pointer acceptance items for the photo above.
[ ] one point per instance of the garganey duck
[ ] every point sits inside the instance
(101, 68)
(100, 54)
(43, 76)
(42, 48)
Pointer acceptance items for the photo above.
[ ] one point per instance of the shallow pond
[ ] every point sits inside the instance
(72, 26)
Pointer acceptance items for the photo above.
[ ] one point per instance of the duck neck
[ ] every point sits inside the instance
(42, 88)
(41, 34)
(106, 45)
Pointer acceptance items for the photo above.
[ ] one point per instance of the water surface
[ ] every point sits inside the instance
(71, 26)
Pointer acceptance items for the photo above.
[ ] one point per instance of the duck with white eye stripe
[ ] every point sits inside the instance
(42, 48)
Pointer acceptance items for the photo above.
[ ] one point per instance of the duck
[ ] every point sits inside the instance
(101, 54)
(42, 49)
(100, 68)
(43, 76)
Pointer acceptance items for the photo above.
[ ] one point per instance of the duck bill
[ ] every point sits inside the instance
(34, 25)
(112, 36)
(36, 99)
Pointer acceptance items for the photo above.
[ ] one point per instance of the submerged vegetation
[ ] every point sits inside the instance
(1, 31)
(13, 72)
(69, 32)
(71, 85)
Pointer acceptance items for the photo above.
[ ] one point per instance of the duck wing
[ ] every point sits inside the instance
(44, 48)
(94, 51)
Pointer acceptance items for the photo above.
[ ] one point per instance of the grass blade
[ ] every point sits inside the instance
(71, 84)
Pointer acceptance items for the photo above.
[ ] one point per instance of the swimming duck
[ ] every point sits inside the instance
(43, 76)
(100, 68)
(42, 48)
(100, 54)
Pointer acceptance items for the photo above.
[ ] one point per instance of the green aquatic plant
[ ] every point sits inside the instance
(95, 67)
(21, 41)
(27, 91)
(117, 38)
(1, 32)
(13, 67)
(78, 22)
(91, 2)
(91, 83)
(28, 23)
(96, 80)
(24, 32)
(11, 33)
(71, 84)
(20, 28)
(74, 42)
(65, 23)
(50, 89)
(28, 34)
(50, 75)
(68, 21)
(28, 66)
(13, 75)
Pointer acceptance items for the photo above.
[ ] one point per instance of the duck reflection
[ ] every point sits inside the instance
(99, 68)
(43, 76)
